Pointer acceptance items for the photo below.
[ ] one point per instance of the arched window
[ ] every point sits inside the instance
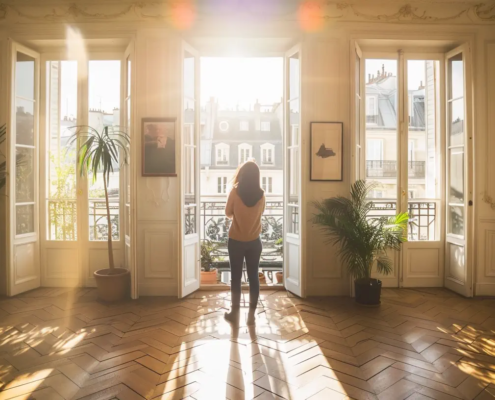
(245, 152)
(222, 154)
(267, 154)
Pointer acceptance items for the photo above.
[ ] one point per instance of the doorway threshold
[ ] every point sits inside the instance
(227, 287)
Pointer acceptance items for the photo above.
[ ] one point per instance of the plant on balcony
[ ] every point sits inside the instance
(99, 151)
(208, 257)
(363, 239)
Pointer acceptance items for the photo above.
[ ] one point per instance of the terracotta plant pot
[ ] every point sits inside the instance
(262, 278)
(280, 277)
(113, 285)
(209, 278)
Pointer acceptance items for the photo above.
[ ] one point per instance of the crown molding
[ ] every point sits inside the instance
(320, 12)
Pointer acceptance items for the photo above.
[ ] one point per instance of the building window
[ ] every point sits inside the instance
(265, 126)
(244, 126)
(267, 154)
(222, 185)
(374, 149)
(224, 126)
(245, 151)
(371, 110)
(266, 184)
(222, 154)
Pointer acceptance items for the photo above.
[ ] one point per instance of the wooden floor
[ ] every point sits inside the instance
(419, 344)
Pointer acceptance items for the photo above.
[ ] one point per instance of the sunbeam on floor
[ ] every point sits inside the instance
(420, 344)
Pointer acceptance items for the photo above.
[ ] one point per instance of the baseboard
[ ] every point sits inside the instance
(484, 289)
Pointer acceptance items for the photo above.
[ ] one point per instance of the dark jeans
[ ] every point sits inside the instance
(251, 251)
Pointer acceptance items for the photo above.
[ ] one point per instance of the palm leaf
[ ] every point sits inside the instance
(361, 239)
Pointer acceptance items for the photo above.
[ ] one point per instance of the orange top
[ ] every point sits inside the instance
(246, 221)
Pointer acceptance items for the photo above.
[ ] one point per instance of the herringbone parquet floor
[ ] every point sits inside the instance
(419, 344)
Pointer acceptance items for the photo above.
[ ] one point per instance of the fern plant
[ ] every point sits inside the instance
(363, 239)
(98, 152)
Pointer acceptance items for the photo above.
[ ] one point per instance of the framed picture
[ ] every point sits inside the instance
(326, 151)
(158, 147)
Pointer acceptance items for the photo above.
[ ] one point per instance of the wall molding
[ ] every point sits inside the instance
(317, 13)
(152, 270)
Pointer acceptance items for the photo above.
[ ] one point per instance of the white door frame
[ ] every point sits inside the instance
(21, 278)
(189, 244)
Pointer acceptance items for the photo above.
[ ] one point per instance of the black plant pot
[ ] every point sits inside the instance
(368, 291)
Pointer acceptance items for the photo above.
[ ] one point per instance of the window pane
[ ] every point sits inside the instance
(381, 126)
(294, 71)
(24, 76)
(104, 110)
(24, 219)
(456, 66)
(61, 171)
(456, 177)
(456, 114)
(24, 122)
(456, 220)
(24, 175)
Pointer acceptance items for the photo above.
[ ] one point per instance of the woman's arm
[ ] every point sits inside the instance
(229, 207)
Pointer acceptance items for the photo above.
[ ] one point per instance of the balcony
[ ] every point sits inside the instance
(388, 169)
(422, 217)
(215, 227)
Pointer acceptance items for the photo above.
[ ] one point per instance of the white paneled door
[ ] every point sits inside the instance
(293, 279)
(189, 276)
(459, 201)
(22, 178)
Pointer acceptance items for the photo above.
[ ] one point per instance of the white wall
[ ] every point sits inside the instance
(325, 97)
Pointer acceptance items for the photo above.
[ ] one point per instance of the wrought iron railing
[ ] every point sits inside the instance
(215, 227)
(388, 169)
(62, 219)
(422, 217)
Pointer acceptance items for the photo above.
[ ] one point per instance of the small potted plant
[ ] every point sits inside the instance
(208, 273)
(98, 152)
(363, 239)
(279, 245)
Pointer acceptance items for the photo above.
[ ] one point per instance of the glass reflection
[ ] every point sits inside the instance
(456, 177)
(24, 219)
(456, 76)
(457, 122)
(456, 220)
(24, 176)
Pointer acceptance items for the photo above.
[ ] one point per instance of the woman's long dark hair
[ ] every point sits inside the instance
(247, 183)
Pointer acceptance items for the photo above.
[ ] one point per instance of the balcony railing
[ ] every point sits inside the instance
(388, 169)
(422, 217)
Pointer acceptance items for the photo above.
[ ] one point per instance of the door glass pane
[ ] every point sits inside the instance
(24, 76)
(24, 219)
(24, 176)
(456, 176)
(423, 151)
(456, 114)
(61, 170)
(189, 142)
(104, 110)
(456, 220)
(381, 126)
(24, 122)
(294, 73)
(456, 72)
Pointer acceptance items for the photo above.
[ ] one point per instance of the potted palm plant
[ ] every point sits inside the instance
(363, 239)
(208, 273)
(98, 152)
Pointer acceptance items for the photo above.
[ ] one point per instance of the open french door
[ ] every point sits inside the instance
(189, 275)
(129, 174)
(459, 201)
(22, 178)
(293, 276)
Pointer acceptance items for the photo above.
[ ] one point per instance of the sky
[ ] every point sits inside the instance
(241, 81)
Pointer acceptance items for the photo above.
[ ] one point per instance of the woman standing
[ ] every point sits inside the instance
(245, 206)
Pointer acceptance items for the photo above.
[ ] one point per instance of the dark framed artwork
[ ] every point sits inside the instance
(158, 146)
(326, 151)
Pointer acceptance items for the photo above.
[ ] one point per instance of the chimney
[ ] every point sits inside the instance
(257, 115)
(421, 85)
(383, 69)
